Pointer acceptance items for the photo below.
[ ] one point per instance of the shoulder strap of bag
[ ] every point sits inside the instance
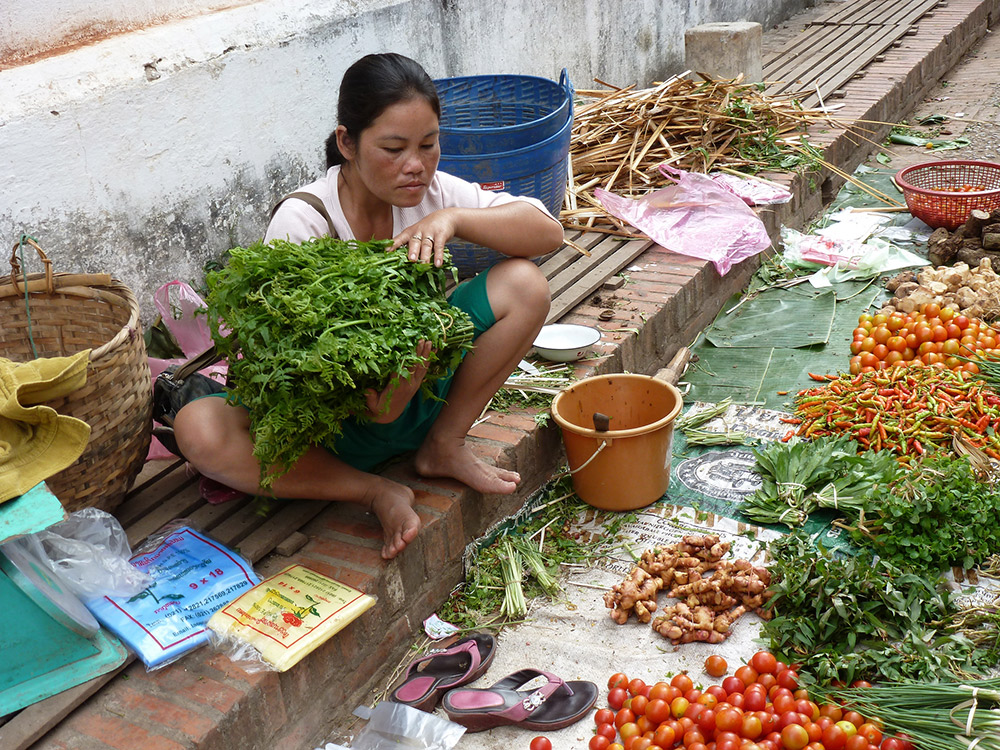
(206, 359)
(312, 200)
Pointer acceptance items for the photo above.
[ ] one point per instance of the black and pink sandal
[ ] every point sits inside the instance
(554, 705)
(436, 672)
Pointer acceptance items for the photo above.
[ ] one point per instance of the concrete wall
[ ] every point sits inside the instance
(148, 153)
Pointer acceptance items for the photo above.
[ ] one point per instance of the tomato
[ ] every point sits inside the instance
(726, 744)
(718, 691)
(541, 743)
(636, 686)
(808, 708)
(832, 710)
(728, 720)
(616, 746)
(604, 716)
(754, 700)
(618, 679)
(706, 720)
(716, 666)
(891, 743)
(794, 737)
(694, 710)
(881, 334)
(628, 730)
(791, 717)
(834, 737)
(764, 662)
(849, 727)
(946, 314)
(856, 742)
(870, 732)
(896, 344)
(660, 690)
(645, 725)
(678, 706)
(658, 711)
(616, 697)
(783, 702)
(931, 309)
(682, 682)
(961, 321)
(854, 717)
(693, 735)
(736, 700)
(752, 728)
(789, 678)
(733, 684)
(624, 716)
(638, 704)
(696, 746)
(607, 730)
(597, 742)
(747, 674)
(664, 736)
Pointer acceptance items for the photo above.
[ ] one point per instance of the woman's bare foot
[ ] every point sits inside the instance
(456, 460)
(393, 505)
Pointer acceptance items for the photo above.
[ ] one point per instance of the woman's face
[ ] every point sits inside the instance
(397, 154)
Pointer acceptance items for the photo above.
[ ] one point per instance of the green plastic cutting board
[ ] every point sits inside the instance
(40, 657)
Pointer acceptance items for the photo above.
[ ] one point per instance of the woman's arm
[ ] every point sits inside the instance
(517, 229)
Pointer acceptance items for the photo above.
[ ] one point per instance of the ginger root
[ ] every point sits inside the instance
(713, 592)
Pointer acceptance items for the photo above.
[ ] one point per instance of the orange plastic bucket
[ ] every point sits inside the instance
(627, 465)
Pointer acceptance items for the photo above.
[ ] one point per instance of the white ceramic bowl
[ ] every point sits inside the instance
(565, 343)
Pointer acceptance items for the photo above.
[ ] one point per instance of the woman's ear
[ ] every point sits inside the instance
(345, 144)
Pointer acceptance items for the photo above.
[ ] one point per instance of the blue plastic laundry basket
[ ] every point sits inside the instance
(500, 113)
(536, 168)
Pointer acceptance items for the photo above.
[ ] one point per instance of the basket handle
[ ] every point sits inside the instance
(15, 264)
(566, 84)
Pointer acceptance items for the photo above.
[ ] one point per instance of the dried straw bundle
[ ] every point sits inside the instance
(621, 135)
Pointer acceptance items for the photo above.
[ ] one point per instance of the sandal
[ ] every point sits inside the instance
(555, 705)
(433, 674)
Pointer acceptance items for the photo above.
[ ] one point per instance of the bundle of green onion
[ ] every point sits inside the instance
(935, 716)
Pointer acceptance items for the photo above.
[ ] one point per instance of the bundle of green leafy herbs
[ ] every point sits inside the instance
(846, 618)
(800, 476)
(311, 327)
(933, 516)
(522, 561)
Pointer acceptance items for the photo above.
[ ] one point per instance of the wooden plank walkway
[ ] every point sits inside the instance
(167, 490)
(837, 46)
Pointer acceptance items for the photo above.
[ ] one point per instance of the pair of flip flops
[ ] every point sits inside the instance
(440, 674)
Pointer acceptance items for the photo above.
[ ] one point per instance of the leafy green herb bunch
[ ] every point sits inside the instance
(311, 327)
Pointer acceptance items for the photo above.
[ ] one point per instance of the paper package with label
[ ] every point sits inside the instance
(286, 616)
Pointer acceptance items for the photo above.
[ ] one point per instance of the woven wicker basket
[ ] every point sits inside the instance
(68, 314)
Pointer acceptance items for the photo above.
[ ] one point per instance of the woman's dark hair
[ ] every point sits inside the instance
(370, 86)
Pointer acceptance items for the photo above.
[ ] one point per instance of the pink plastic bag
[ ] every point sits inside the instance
(182, 310)
(695, 217)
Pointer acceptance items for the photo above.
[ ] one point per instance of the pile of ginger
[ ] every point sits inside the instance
(713, 592)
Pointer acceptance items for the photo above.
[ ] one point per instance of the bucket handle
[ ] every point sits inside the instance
(602, 446)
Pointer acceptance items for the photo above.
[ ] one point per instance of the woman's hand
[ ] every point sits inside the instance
(386, 405)
(426, 239)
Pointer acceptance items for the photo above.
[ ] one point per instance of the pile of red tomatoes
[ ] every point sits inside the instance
(934, 335)
(758, 707)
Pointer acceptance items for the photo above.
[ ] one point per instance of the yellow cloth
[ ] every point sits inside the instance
(35, 440)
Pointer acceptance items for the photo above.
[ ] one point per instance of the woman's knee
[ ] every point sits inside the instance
(204, 427)
(520, 285)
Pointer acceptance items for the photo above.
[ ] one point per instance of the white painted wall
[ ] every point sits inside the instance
(149, 153)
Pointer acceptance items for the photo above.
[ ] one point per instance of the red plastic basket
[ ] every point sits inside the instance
(938, 192)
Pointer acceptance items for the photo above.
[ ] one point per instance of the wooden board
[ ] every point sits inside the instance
(837, 46)
(878, 12)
